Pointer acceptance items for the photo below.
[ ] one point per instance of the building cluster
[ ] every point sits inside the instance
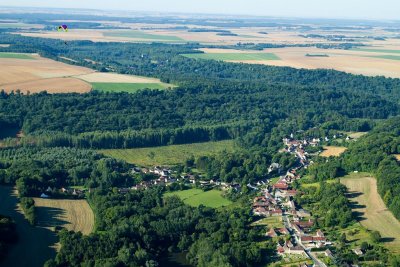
(278, 200)
(64, 191)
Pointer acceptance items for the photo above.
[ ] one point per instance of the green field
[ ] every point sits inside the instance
(128, 87)
(270, 222)
(168, 155)
(14, 25)
(378, 50)
(234, 56)
(15, 55)
(197, 197)
(144, 36)
(390, 57)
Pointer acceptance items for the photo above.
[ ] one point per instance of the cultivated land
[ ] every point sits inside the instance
(197, 197)
(377, 57)
(74, 215)
(143, 36)
(35, 245)
(30, 72)
(168, 155)
(373, 213)
(114, 82)
(332, 151)
(234, 56)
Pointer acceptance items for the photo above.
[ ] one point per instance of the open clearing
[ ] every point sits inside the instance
(197, 197)
(114, 82)
(234, 56)
(126, 87)
(373, 213)
(168, 155)
(74, 215)
(356, 135)
(275, 222)
(332, 151)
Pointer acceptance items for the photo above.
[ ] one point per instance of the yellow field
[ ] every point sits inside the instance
(74, 215)
(333, 151)
(373, 213)
(38, 74)
(351, 61)
(397, 156)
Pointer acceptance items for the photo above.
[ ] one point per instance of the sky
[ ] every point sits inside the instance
(358, 9)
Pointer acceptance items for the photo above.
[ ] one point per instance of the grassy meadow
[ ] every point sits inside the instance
(168, 155)
(390, 57)
(128, 87)
(196, 197)
(371, 210)
(15, 55)
(234, 56)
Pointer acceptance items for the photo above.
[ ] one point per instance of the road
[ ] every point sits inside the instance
(315, 260)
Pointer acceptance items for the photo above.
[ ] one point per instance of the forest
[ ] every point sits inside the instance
(137, 229)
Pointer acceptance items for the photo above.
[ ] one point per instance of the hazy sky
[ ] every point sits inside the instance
(370, 9)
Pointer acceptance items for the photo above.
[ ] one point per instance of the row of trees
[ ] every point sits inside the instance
(34, 169)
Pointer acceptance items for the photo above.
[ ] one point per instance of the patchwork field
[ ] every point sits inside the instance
(373, 213)
(366, 62)
(168, 155)
(234, 56)
(74, 215)
(143, 36)
(30, 72)
(197, 197)
(332, 151)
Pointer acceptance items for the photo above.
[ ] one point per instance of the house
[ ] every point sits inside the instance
(271, 233)
(273, 167)
(283, 231)
(328, 253)
(320, 233)
(358, 252)
(296, 250)
(277, 212)
(123, 190)
(280, 250)
(302, 213)
(43, 195)
(282, 186)
(290, 193)
(289, 244)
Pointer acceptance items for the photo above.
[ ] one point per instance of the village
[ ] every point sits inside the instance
(298, 235)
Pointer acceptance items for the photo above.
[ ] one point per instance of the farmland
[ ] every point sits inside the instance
(332, 151)
(74, 215)
(234, 56)
(168, 155)
(142, 36)
(197, 197)
(373, 213)
(30, 72)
